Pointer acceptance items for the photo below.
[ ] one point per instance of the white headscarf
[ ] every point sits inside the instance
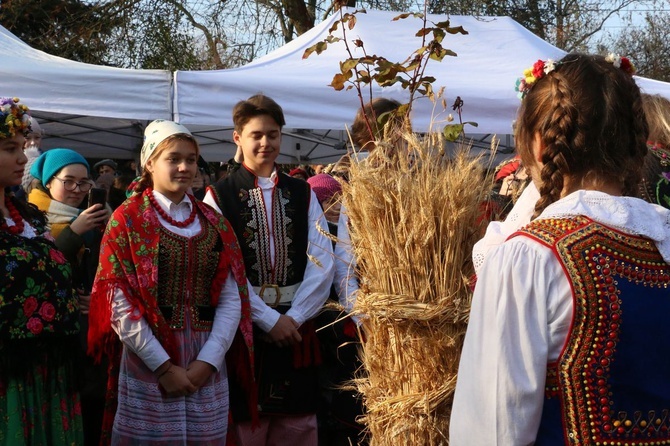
(155, 133)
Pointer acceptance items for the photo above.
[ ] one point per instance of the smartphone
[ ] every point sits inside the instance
(97, 195)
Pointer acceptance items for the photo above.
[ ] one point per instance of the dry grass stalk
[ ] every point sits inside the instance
(414, 220)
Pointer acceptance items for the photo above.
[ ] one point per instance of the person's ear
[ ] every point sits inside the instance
(538, 148)
(236, 138)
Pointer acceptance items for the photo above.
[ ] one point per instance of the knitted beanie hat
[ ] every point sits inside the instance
(324, 186)
(35, 126)
(105, 162)
(50, 162)
(32, 153)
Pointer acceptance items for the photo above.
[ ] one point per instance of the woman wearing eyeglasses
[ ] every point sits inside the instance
(64, 182)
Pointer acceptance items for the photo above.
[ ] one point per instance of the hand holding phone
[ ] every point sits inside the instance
(92, 218)
(97, 196)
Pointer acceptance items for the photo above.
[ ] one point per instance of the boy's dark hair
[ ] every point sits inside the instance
(360, 132)
(257, 105)
(590, 119)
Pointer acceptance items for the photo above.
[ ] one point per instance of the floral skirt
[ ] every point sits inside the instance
(40, 408)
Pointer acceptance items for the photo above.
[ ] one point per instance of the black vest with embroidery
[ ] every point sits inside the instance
(611, 384)
(186, 268)
(241, 202)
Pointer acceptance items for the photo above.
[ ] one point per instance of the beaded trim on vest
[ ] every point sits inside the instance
(261, 243)
(241, 202)
(186, 266)
(611, 389)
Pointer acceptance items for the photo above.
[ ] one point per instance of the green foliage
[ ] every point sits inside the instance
(452, 132)
(570, 25)
(409, 73)
(166, 46)
(67, 28)
(359, 72)
(647, 46)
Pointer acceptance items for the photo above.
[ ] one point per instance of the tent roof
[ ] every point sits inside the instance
(102, 111)
(489, 61)
(97, 110)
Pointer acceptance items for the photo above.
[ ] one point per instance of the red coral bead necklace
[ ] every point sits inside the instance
(14, 214)
(167, 217)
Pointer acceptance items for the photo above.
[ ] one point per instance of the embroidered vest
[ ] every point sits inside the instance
(241, 201)
(186, 268)
(611, 383)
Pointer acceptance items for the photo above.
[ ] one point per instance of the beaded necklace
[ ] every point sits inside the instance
(167, 217)
(14, 214)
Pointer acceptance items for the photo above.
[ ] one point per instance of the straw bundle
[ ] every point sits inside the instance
(414, 218)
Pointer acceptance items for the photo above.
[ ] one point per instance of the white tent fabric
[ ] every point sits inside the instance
(97, 110)
(102, 111)
(490, 59)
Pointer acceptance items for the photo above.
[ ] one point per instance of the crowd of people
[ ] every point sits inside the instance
(184, 308)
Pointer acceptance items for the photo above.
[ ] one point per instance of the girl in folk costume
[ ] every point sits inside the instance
(39, 328)
(566, 342)
(171, 287)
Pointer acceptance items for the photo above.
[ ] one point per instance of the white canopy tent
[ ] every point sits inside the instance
(490, 59)
(99, 111)
(102, 111)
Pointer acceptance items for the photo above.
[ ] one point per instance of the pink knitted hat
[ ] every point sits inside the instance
(324, 186)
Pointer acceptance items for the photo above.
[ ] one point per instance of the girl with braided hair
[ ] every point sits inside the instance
(566, 339)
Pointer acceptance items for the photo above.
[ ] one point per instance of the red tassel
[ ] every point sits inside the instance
(100, 317)
(219, 279)
(241, 372)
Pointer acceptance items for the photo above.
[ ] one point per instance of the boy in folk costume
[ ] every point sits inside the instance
(275, 218)
(171, 286)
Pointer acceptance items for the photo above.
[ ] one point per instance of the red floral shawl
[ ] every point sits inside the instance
(129, 262)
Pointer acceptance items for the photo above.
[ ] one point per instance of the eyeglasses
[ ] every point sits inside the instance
(71, 185)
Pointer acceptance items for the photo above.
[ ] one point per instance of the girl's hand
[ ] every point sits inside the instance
(199, 372)
(90, 218)
(174, 381)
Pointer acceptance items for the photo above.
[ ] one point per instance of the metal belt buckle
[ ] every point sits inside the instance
(277, 291)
